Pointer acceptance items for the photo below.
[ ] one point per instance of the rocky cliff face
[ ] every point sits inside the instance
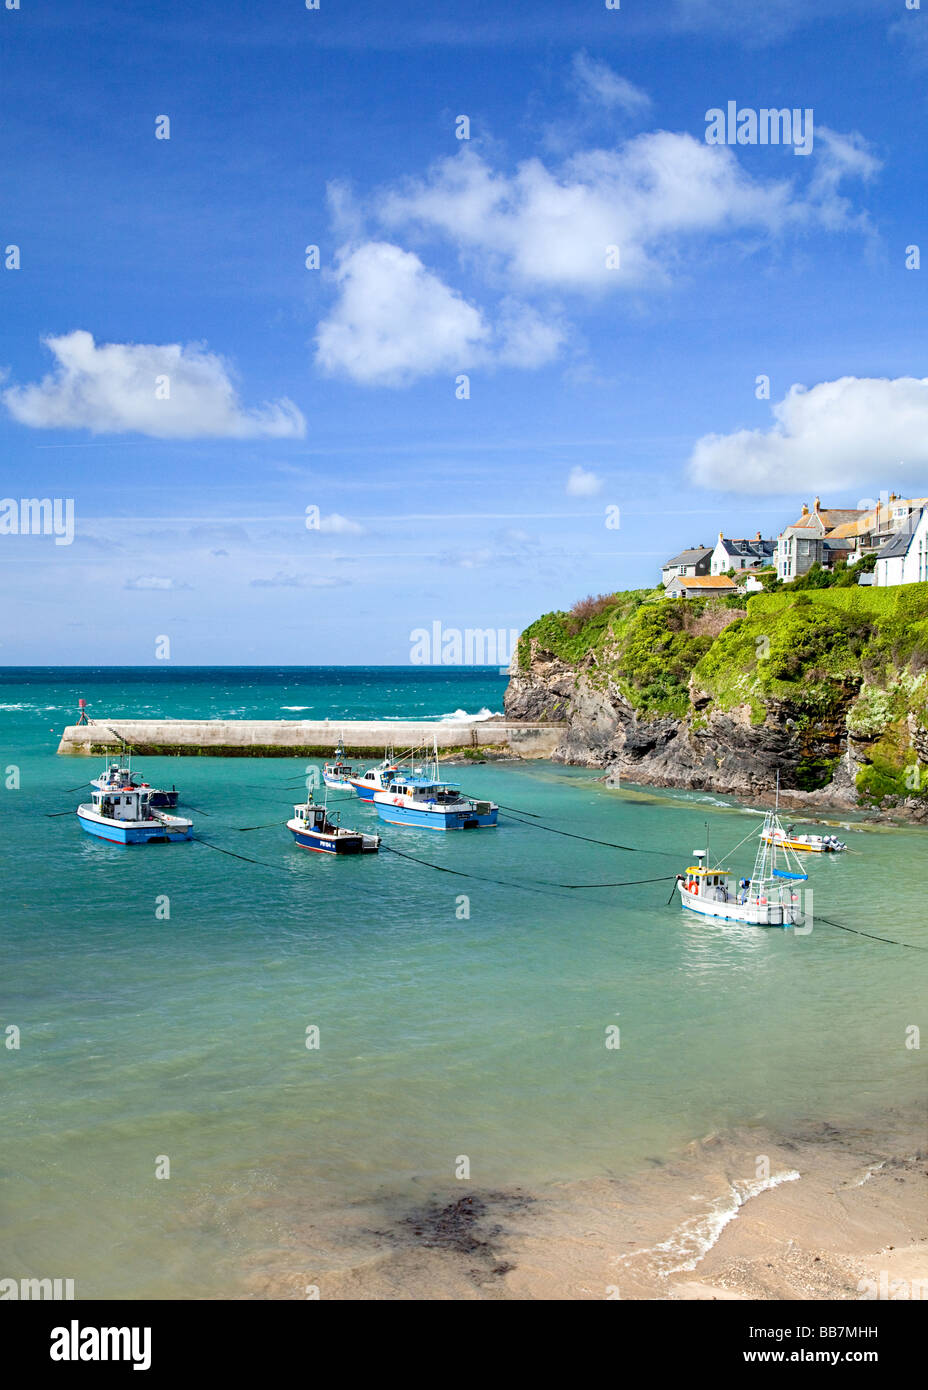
(734, 752)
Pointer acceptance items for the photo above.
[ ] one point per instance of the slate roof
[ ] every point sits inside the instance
(760, 550)
(896, 545)
(899, 542)
(689, 557)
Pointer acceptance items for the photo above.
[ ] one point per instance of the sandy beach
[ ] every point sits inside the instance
(824, 1213)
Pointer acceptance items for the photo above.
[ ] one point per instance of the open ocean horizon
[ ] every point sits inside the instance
(463, 996)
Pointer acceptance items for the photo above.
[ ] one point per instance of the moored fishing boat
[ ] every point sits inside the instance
(812, 844)
(769, 898)
(375, 779)
(125, 816)
(312, 829)
(428, 802)
(337, 774)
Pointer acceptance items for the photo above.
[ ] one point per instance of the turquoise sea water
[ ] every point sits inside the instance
(446, 1028)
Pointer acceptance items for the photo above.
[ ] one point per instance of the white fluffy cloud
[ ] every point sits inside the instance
(857, 430)
(164, 390)
(395, 320)
(552, 227)
(581, 482)
(600, 221)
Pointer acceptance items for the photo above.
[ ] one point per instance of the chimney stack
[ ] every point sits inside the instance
(818, 503)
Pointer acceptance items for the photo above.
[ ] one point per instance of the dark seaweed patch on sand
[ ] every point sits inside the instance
(468, 1226)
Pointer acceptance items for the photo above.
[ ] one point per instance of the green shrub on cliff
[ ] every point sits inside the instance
(810, 646)
(644, 643)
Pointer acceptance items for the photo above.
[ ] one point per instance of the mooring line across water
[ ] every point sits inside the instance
(609, 844)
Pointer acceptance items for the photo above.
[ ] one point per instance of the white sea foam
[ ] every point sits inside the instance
(460, 716)
(296, 707)
(695, 1238)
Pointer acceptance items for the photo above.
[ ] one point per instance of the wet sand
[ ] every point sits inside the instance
(746, 1215)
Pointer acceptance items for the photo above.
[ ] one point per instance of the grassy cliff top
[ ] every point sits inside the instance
(805, 646)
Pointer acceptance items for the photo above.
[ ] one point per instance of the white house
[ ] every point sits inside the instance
(741, 554)
(904, 557)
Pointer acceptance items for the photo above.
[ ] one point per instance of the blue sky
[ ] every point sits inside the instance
(630, 386)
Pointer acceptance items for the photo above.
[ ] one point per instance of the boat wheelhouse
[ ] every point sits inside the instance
(115, 777)
(337, 774)
(375, 779)
(312, 829)
(126, 817)
(771, 897)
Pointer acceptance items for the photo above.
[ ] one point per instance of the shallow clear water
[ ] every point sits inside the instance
(441, 1034)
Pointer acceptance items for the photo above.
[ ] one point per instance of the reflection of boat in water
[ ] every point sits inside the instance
(337, 774)
(769, 898)
(812, 844)
(126, 817)
(312, 829)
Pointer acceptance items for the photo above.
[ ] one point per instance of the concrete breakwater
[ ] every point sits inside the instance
(298, 738)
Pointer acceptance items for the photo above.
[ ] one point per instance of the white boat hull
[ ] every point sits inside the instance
(785, 912)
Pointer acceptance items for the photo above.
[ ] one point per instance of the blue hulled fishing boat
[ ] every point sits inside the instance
(126, 817)
(426, 801)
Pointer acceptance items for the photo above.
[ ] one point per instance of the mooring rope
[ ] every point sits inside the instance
(609, 844)
(906, 945)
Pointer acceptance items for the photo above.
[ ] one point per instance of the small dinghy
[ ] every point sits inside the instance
(312, 829)
(127, 817)
(337, 775)
(811, 844)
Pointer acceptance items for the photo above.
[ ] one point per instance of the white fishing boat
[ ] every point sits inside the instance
(337, 774)
(375, 779)
(771, 897)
